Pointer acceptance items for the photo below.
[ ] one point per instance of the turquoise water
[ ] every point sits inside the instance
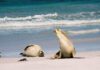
(23, 23)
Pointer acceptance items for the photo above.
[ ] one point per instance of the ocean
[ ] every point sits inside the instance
(33, 22)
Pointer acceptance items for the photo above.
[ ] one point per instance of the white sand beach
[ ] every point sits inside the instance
(82, 61)
(47, 23)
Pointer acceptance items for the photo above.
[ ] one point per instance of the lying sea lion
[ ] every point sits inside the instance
(33, 51)
(66, 47)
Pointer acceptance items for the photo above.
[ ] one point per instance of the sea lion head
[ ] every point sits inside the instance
(57, 30)
(59, 33)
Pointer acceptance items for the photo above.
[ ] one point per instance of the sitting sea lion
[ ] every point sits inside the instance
(66, 47)
(33, 51)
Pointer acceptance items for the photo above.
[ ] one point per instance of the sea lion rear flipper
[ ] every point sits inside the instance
(22, 54)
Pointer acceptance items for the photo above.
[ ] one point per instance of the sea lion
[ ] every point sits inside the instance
(66, 47)
(33, 51)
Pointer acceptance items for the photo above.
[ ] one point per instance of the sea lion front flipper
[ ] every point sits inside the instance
(58, 55)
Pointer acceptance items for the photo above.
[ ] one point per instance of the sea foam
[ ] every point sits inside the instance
(49, 23)
(41, 16)
(78, 32)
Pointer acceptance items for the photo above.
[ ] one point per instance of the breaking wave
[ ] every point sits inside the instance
(49, 21)
(42, 16)
(53, 16)
(84, 31)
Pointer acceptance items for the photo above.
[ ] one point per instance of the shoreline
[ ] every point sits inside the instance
(82, 61)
